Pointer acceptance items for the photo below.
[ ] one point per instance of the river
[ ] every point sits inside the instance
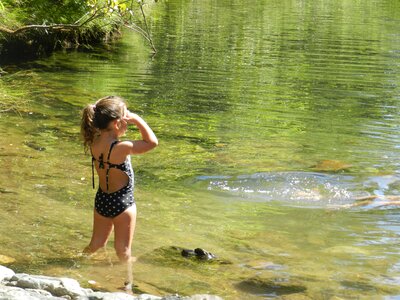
(273, 118)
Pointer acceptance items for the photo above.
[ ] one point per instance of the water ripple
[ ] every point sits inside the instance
(305, 189)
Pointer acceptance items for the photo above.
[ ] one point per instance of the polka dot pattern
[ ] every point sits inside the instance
(111, 205)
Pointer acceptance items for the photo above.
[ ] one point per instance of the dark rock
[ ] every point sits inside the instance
(198, 252)
(34, 146)
(203, 254)
(181, 257)
(272, 286)
(5, 191)
(188, 253)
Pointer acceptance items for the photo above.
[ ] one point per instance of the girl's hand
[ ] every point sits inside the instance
(149, 139)
(131, 118)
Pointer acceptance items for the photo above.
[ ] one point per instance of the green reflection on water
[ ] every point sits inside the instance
(237, 88)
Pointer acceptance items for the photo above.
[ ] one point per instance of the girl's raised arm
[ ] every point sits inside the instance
(149, 139)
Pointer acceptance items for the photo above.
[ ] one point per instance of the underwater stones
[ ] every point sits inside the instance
(4, 259)
(34, 287)
(6, 191)
(263, 265)
(34, 146)
(113, 296)
(331, 166)
(173, 255)
(270, 286)
(358, 285)
(194, 297)
(346, 250)
(199, 253)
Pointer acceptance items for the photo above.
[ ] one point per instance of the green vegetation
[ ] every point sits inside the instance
(13, 92)
(31, 28)
(34, 27)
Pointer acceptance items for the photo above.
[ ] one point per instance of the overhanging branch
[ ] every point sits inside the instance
(55, 27)
(41, 27)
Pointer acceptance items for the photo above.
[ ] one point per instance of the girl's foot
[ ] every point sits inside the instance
(128, 286)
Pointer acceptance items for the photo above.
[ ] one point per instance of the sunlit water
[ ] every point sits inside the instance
(274, 120)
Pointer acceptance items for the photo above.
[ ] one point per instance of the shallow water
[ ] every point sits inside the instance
(273, 119)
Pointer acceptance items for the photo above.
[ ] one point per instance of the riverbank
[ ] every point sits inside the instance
(35, 28)
(15, 286)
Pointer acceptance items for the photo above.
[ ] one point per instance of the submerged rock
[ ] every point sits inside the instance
(331, 166)
(6, 191)
(263, 265)
(272, 286)
(175, 256)
(34, 146)
(199, 253)
(346, 250)
(4, 259)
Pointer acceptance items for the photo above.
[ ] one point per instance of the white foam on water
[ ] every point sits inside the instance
(290, 188)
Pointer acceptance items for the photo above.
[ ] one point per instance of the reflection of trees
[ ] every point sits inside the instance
(309, 77)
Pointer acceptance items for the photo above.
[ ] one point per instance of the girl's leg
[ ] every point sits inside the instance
(124, 227)
(102, 228)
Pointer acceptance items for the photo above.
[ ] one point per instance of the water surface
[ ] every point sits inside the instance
(273, 118)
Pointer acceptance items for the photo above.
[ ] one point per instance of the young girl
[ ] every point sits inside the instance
(103, 123)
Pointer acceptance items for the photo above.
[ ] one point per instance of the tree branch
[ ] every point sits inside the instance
(147, 27)
(73, 26)
(42, 27)
(88, 17)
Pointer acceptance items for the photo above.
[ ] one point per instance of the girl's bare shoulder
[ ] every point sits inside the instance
(124, 147)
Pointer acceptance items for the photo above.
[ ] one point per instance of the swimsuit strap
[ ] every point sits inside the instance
(93, 159)
(101, 164)
(108, 162)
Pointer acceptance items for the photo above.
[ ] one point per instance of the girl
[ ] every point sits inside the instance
(103, 123)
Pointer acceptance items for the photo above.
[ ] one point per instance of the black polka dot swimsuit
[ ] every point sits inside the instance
(112, 204)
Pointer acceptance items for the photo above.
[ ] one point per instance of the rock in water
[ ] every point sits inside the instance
(199, 253)
(188, 253)
(4, 259)
(34, 146)
(203, 254)
(331, 166)
(273, 286)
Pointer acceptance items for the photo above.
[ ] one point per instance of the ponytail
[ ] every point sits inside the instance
(88, 129)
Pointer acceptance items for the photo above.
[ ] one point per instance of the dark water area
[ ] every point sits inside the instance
(278, 126)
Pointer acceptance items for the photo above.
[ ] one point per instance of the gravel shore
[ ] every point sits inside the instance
(20, 286)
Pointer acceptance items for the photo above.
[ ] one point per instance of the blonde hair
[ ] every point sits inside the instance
(96, 117)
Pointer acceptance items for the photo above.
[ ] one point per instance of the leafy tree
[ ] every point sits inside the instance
(43, 25)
